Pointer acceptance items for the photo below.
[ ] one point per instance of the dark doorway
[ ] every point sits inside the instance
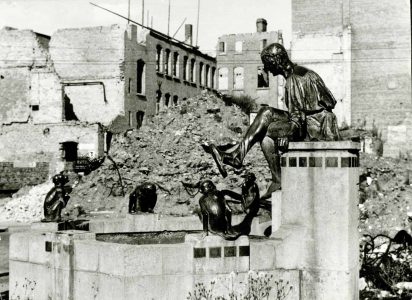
(69, 151)
(139, 119)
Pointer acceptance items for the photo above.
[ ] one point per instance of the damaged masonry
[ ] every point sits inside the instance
(63, 96)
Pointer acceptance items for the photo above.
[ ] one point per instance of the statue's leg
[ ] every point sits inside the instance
(281, 127)
(270, 151)
(256, 132)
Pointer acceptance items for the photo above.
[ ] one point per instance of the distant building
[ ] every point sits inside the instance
(362, 50)
(240, 69)
(61, 97)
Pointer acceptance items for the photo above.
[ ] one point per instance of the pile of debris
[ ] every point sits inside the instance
(167, 151)
(26, 205)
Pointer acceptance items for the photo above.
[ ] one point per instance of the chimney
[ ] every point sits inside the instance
(261, 25)
(188, 34)
(280, 37)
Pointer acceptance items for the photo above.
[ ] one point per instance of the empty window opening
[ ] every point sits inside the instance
(69, 151)
(175, 100)
(238, 78)
(263, 44)
(130, 119)
(139, 119)
(185, 68)
(141, 74)
(35, 107)
(239, 46)
(167, 64)
(167, 100)
(201, 74)
(68, 111)
(176, 64)
(158, 100)
(262, 78)
(207, 75)
(223, 79)
(159, 58)
(192, 70)
(212, 78)
(222, 47)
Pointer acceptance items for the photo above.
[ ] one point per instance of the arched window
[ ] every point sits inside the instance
(238, 78)
(223, 79)
(201, 74)
(167, 100)
(192, 70)
(175, 100)
(185, 68)
(167, 63)
(159, 58)
(141, 75)
(176, 66)
(212, 78)
(207, 74)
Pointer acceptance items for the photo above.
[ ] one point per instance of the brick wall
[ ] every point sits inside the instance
(380, 56)
(381, 61)
(21, 52)
(249, 59)
(321, 16)
(14, 176)
(26, 143)
(92, 54)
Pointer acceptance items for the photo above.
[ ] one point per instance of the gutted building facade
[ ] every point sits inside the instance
(61, 97)
(362, 50)
(240, 69)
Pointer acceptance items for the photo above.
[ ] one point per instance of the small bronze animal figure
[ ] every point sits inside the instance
(143, 198)
(215, 214)
(56, 199)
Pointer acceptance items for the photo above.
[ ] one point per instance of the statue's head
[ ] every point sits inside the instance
(206, 186)
(250, 178)
(149, 187)
(275, 59)
(60, 179)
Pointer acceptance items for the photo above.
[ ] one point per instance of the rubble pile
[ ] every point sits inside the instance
(385, 195)
(26, 205)
(167, 151)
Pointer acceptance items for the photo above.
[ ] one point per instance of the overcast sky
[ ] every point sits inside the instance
(217, 17)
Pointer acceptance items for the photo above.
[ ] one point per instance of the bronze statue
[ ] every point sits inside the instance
(56, 199)
(144, 197)
(216, 214)
(309, 117)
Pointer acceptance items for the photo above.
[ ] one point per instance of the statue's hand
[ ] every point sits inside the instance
(283, 144)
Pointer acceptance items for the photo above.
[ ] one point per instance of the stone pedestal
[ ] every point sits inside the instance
(319, 217)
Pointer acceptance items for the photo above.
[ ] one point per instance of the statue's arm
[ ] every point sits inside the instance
(236, 198)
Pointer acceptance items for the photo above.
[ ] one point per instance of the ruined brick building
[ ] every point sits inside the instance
(62, 96)
(240, 69)
(362, 50)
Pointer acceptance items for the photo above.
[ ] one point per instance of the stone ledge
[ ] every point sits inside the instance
(322, 145)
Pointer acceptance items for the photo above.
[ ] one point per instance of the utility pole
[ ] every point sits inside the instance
(147, 19)
(143, 12)
(197, 26)
(168, 20)
(128, 13)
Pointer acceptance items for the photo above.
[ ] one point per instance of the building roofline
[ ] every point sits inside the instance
(185, 46)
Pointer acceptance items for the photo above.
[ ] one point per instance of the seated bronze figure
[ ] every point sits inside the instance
(309, 118)
(56, 199)
(216, 214)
